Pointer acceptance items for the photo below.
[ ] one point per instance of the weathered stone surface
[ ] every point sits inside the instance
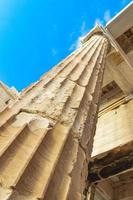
(46, 136)
(7, 95)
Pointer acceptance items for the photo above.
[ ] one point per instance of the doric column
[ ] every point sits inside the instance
(46, 137)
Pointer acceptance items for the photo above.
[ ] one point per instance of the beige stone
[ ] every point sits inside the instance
(46, 133)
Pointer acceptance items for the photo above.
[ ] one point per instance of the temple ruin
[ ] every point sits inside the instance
(69, 136)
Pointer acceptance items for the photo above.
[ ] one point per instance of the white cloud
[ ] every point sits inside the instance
(72, 47)
(98, 21)
(54, 52)
(107, 16)
(76, 44)
(83, 30)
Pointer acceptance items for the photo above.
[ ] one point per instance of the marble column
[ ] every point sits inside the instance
(46, 136)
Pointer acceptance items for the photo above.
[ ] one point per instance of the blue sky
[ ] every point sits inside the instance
(36, 34)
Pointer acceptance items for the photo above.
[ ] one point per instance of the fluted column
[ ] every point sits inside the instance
(46, 136)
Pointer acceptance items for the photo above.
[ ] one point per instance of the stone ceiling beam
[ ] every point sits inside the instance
(114, 162)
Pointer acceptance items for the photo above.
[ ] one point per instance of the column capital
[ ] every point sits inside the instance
(97, 30)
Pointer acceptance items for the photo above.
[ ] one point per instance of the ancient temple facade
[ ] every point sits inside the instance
(111, 166)
(69, 135)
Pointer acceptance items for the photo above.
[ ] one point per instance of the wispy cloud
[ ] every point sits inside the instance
(107, 16)
(98, 21)
(54, 52)
(83, 30)
(76, 44)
